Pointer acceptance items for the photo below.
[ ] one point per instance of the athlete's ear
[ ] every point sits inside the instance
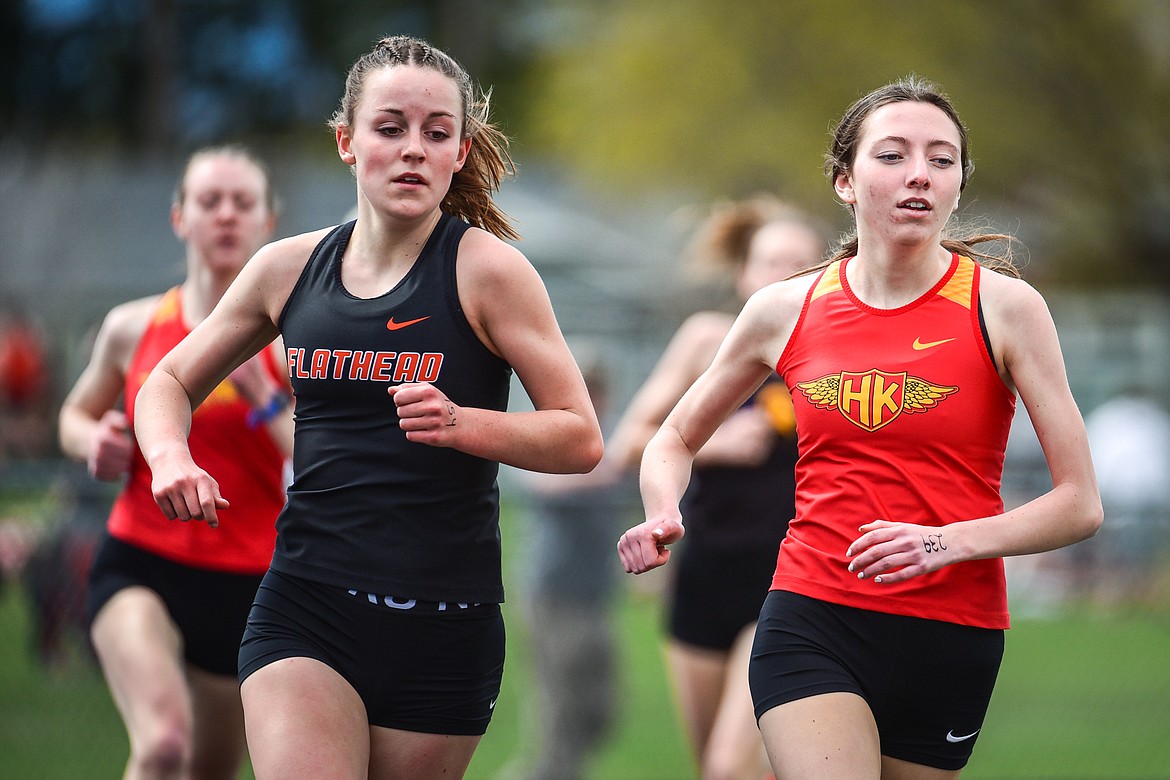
(177, 223)
(844, 188)
(464, 150)
(345, 145)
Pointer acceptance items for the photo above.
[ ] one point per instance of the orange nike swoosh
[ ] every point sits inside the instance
(920, 345)
(392, 325)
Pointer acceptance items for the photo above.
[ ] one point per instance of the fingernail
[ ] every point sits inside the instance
(877, 579)
(850, 565)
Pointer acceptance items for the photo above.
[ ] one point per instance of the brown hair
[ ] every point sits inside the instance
(725, 237)
(843, 151)
(488, 162)
(238, 151)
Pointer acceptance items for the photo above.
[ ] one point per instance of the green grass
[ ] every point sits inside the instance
(61, 724)
(1080, 697)
(646, 741)
(53, 724)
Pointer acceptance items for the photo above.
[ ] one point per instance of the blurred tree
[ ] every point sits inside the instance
(1069, 102)
(161, 47)
(1069, 105)
(163, 75)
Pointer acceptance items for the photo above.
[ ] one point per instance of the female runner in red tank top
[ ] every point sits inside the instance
(168, 601)
(877, 649)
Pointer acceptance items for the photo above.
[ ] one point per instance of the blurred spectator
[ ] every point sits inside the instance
(569, 575)
(25, 406)
(17, 541)
(1130, 439)
(56, 571)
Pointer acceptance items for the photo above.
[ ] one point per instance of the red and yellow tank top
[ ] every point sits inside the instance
(245, 461)
(901, 416)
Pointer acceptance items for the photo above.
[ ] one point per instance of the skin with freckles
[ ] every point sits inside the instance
(904, 184)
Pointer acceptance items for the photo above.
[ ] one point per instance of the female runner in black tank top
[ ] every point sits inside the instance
(367, 653)
(740, 499)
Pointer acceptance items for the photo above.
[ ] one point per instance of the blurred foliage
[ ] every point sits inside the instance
(1068, 101)
(167, 75)
(1068, 104)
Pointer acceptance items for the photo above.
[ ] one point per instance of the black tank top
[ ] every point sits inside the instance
(738, 508)
(368, 509)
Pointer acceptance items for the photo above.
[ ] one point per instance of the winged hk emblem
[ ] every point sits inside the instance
(921, 395)
(873, 399)
(822, 393)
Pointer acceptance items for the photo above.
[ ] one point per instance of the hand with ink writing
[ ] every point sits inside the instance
(425, 414)
(893, 552)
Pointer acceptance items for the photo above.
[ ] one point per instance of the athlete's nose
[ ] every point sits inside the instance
(226, 210)
(414, 149)
(918, 174)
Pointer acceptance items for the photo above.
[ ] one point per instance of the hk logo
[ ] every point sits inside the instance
(873, 399)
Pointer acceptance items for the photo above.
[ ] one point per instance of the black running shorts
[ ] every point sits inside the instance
(209, 607)
(430, 667)
(717, 593)
(927, 682)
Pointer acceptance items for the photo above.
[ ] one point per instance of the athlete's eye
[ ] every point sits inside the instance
(889, 156)
(245, 203)
(944, 162)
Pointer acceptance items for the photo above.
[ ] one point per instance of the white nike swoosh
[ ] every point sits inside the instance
(952, 738)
